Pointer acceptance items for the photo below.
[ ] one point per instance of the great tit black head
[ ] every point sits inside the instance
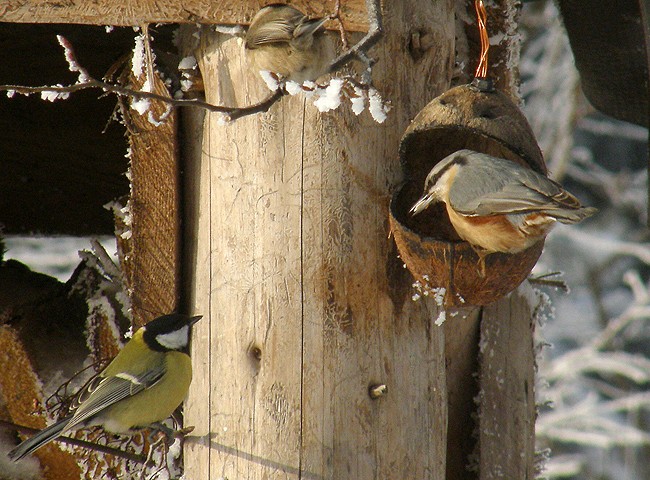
(169, 332)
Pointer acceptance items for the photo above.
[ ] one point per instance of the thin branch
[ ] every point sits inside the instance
(87, 81)
(547, 280)
(337, 16)
(79, 443)
(232, 112)
(360, 50)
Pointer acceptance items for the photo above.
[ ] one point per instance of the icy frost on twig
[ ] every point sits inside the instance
(55, 92)
(331, 94)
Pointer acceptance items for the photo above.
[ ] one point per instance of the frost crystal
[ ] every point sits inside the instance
(378, 109)
(331, 98)
(146, 86)
(137, 62)
(309, 88)
(358, 101)
(229, 29)
(270, 79)
(141, 106)
(293, 88)
(72, 63)
(187, 63)
(51, 96)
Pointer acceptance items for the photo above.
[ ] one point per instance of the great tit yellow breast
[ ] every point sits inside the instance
(155, 403)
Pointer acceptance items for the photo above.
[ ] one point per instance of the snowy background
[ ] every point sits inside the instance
(594, 378)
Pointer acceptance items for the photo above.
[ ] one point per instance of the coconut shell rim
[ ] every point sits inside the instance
(536, 165)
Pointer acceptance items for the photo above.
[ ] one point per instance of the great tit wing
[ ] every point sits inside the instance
(109, 390)
(504, 187)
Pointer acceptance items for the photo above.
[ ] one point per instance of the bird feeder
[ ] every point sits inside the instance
(483, 120)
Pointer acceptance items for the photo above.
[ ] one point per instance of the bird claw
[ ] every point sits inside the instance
(170, 434)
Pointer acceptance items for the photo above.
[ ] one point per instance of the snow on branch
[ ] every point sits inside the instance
(360, 94)
(86, 81)
(593, 386)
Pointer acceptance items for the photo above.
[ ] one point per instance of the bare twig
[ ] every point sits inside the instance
(360, 50)
(87, 81)
(79, 443)
(545, 280)
(337, 16)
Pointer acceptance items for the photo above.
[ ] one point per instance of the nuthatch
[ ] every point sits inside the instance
(282, 40)
(497, 205)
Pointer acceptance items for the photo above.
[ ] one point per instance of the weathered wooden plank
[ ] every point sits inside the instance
(139, 12)
(507, 383)
(21, 390)
(307, 304)
(150, 246)
(462, 333)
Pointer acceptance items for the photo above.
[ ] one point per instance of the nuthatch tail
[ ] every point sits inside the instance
(282, 40)
(497, 205)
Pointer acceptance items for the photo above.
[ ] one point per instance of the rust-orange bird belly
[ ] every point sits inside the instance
(509, 233)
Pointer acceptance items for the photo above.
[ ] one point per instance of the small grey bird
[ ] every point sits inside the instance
(283, 40)
(497, 205)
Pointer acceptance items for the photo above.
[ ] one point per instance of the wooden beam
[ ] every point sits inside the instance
(462, 335)
(138, 12)
(506, 401)
(150, 249)
(290, 260)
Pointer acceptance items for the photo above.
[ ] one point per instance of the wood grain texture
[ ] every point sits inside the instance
(462, 333)
(507, 379)
(150, 256)
(139, 12)
(307, 304)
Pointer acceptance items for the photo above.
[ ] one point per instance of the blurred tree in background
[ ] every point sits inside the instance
(595, 375)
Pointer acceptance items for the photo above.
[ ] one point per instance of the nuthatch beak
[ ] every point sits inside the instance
(497, 205)
(421, 204)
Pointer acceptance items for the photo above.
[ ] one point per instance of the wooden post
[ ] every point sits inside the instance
(292, 265)
(287, 254)
(506, 403)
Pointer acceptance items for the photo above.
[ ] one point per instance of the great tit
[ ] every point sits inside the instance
(143, 384)
(283, 40)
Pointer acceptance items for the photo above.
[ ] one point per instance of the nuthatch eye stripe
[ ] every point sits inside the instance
(498, 205)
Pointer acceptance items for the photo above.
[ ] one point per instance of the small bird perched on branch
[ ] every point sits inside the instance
(143, 384)
(497, 205)
(283, 40)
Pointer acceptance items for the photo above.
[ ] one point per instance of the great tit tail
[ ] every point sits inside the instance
(37, 441)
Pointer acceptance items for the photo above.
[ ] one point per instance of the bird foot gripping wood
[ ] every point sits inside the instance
(171, 434)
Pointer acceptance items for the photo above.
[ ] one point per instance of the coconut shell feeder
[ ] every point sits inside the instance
(478, 118)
